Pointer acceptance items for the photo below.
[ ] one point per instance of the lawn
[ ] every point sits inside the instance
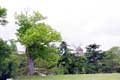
(113, 76)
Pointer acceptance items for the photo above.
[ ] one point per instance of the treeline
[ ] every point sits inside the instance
(43, 57)
(92, 60)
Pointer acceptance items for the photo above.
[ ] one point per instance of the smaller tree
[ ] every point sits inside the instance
(5, 64)
(70, 63)
(111, 60)
(93, 58)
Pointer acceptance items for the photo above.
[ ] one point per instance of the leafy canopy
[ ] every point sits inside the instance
(40, 34)
(32, 32)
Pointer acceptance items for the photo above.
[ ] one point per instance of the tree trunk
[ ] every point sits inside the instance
(30, 63)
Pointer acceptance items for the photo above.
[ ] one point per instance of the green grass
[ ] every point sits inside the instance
(113, 76)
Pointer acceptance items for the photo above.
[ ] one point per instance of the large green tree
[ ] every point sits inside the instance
(36, 37)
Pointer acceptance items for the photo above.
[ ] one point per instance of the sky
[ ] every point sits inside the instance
(80, 22)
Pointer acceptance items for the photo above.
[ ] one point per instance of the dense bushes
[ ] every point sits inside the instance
(6, 63)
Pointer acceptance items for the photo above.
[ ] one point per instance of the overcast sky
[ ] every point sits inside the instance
(80, 22)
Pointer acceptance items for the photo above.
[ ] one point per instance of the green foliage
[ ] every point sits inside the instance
(40, 34)
(46, 66)
(21, 64)
(46, 60)
(93, 58)
(93, 55)
(112, 60)
(35, 35)
(69, 63)
(64, 62)
(93, 61)
(3, 13)
(37, 38)
(13, 46)
(26, 21)
(5, 50)
(5, 63)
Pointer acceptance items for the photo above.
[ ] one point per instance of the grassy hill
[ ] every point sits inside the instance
(113, 76)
